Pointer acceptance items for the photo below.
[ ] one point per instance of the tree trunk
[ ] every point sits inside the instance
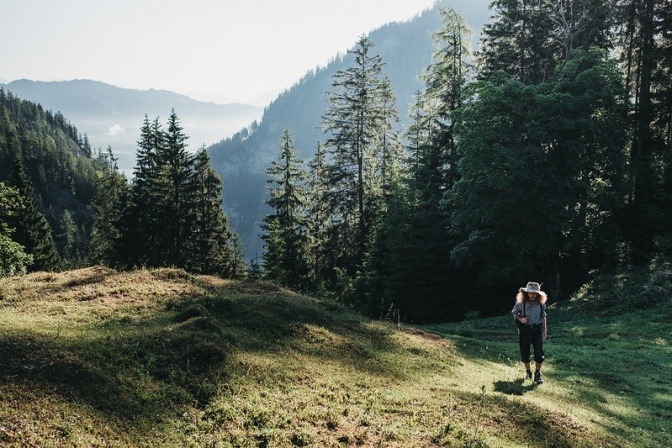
(642, 144)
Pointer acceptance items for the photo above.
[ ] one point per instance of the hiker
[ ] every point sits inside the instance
(530, 314)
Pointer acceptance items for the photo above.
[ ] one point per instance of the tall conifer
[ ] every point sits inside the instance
(358, 125)
(645, 45)
(141, 236)
(285, 255)
(519, 41)
(209, 243)
(418, 270)
(110, 204)
(175, 164)
(318, 217)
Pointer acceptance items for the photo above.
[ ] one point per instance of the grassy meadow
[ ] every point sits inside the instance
(96, 358)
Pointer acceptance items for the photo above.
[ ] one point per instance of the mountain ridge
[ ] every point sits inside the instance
(77, 89)
(112, 116)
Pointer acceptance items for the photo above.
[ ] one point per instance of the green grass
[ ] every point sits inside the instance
(96, 357)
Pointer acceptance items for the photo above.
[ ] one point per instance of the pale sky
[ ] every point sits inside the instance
(212, 50)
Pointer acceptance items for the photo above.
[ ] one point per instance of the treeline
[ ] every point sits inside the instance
(547, 157)
(61, 209)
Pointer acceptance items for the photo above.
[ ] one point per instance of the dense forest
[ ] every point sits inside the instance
(61, 208)
(546, 156)
(47, 184)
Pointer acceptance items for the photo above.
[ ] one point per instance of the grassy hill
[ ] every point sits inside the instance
(96, 357)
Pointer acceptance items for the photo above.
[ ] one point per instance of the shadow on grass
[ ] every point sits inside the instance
(513, 387)
(145, 368)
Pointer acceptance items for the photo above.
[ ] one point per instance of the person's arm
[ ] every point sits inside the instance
(544, 328)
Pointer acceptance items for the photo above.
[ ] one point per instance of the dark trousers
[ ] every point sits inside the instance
(531, 335)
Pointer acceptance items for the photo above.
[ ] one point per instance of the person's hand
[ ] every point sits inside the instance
(523, 320)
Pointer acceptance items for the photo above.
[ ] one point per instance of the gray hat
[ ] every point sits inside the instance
(532, 287)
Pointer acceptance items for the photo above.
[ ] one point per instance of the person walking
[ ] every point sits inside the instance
(530, 315)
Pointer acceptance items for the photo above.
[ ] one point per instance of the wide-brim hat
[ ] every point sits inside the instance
(532, 287)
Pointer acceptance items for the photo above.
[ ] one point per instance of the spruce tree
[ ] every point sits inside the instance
(209, 241)
(358, 125)
(66, 239)
(237, 266)
(414, 239)
(141, 236)
(519, 41)
(175, 165)
(285, 256)
(175, 216)
(110, 205)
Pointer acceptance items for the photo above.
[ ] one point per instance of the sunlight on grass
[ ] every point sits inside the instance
(162, 358)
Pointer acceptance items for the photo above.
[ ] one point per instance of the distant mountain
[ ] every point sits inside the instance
(113, 116)
(406, 49)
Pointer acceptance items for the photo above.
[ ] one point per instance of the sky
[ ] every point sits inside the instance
(212, 50)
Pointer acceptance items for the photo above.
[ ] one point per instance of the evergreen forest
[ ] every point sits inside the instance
(546, 156)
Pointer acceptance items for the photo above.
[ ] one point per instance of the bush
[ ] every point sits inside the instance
(13, 259)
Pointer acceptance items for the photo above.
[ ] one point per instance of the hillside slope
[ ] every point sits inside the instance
(96, 357)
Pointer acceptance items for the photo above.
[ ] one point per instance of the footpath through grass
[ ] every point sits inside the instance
(161, 358)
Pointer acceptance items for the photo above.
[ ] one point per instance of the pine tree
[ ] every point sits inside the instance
(519, 41)
(110, 205)
(175, 164)
(66, 239)
(419, 255)
(175, 217)
(285, 255)
(141, 236)
(318, 217)
(445, 80)
(209, 240)
(528, 38)
(237, 265)
(358, 123)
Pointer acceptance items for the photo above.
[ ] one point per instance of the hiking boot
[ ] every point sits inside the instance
(537, 377)
(528, 375)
